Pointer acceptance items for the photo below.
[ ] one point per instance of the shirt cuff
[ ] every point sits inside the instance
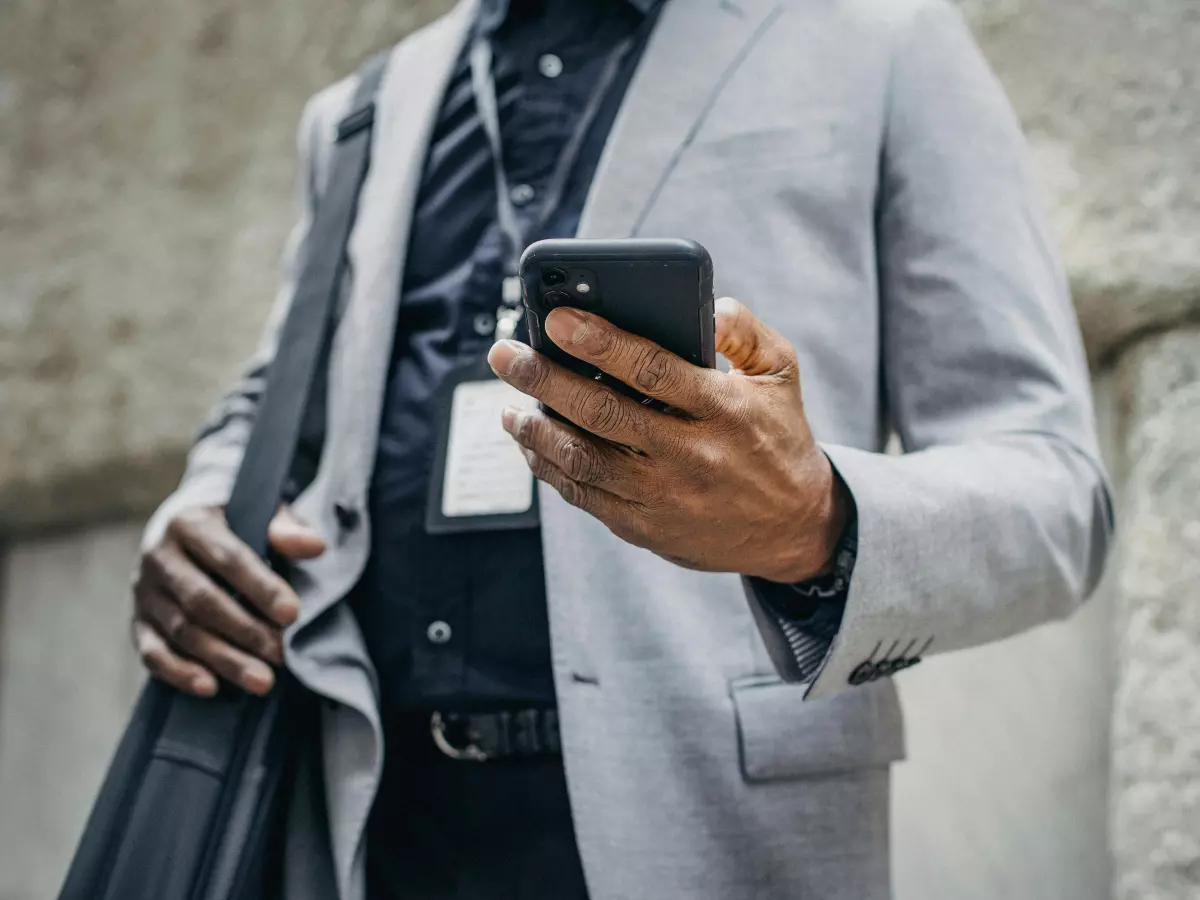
(810, 612)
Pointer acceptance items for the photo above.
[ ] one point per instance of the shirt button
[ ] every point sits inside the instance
(438, 632)
(484, 324)
(550, 65)
(347, 516)
(521, 194)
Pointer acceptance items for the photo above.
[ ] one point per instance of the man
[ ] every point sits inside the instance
(861, 184)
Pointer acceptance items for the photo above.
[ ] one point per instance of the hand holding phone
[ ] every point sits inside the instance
(730, 479)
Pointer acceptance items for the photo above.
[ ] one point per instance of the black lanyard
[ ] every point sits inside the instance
(516, 235)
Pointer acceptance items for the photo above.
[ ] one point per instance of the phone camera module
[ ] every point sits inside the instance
(554, 277)
(557, 298)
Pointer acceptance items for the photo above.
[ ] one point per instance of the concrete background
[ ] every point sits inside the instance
(1155, 801)
(145, 171)
(66, 686)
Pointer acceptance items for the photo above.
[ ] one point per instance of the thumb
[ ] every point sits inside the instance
(291, 537)
(750, 346)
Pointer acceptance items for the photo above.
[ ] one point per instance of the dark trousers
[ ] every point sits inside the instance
(443, 829)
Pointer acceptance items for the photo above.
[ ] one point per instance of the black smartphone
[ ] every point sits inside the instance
(658, 289)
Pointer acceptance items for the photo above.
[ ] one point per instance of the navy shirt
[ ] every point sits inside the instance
(459, 621)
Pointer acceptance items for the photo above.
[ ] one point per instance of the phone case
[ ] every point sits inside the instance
(660, 289)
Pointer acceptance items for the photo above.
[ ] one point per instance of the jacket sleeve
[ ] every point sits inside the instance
(997, 516)
(214, 458)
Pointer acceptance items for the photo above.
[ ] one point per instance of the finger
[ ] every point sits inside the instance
(213, 652)
(207, 605)
(618, 514)
(750, 346)
(635, 361)
(292, 537)
(166, 665)
(592, 406)
(580, 457)
(224, 556)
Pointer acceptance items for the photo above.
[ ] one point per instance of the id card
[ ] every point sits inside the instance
(480, 480)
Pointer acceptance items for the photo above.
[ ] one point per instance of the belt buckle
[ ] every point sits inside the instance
(470, 753)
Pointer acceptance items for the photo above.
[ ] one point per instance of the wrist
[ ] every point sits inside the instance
(812, 527)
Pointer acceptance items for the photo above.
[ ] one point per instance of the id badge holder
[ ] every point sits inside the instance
(480, 480)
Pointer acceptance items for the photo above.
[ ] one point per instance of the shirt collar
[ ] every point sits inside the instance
(492, 13)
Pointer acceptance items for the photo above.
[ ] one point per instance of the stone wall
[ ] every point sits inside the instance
(146, 172)
(145, 177)
(1155, 805)
(1109, 93)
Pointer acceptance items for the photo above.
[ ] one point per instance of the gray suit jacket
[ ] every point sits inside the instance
(862, 184)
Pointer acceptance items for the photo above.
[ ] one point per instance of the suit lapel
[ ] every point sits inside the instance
(406, 110)
(666, 103)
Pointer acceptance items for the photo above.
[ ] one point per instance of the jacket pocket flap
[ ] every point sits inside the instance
(781, 735)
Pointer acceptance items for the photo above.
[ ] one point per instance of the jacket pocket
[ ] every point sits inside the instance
(781, 736)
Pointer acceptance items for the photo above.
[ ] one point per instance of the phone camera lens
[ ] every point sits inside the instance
(557, 298)
(554, 277)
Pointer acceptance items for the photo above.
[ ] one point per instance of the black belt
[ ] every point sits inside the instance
(509, 734)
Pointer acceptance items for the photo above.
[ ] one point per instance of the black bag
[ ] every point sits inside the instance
(192, 805)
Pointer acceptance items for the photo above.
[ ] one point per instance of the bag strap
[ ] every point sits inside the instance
(297, 365)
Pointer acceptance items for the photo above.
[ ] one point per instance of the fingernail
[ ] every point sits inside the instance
(508, 416)
(504, 356)
(204, 685)
(566, 325)
(257, 677)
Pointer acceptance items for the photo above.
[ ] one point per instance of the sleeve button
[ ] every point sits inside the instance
(866, 672)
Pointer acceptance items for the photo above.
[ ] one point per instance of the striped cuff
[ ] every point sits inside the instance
(809, 613)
